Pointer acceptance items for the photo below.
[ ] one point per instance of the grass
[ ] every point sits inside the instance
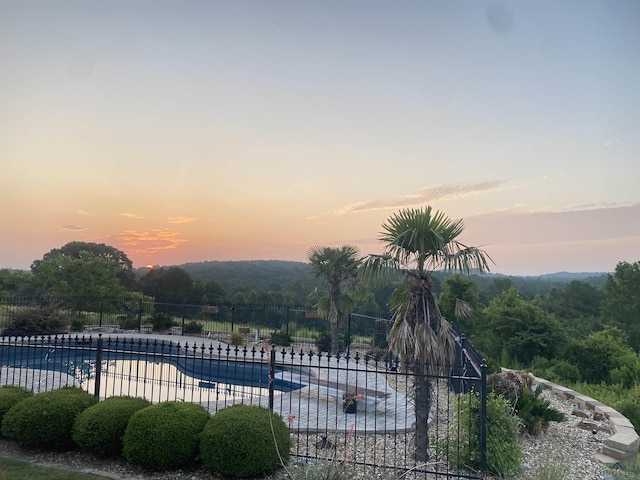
(20, 470)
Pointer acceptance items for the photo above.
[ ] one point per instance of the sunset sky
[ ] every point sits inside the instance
(193, 130)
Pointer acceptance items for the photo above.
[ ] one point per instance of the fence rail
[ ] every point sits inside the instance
(305, 387)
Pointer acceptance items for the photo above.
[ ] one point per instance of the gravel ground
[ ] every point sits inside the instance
(563, 443)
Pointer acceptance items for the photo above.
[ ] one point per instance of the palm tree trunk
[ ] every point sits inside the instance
(334, 318)
(422, 398)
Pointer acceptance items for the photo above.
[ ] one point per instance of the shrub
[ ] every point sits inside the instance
(322, 470)
(236, 339)
(504, 451)
(164, 436)
(9, 396)
(192, 327)
(630, 408)
(46, 419)
(43, 320)
(161, 321)
(99, 429)
(535, 412)
(323, 342)
(240, 441)
(281, 339)
(128, 322)
(78, 322)
(510, 383)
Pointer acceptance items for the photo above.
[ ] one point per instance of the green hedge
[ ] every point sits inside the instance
(99, 429)
(164, 436)
(9, 396)
(46, 419)
(244, 441)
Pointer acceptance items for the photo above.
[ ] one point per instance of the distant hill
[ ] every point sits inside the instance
(277, 274)
(573, 275)
(267, 274)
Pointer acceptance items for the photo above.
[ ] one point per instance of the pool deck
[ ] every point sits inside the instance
(316, 407)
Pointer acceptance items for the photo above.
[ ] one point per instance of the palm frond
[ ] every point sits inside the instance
(463, 309)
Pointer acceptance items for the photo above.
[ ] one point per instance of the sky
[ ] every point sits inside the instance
(188, 131)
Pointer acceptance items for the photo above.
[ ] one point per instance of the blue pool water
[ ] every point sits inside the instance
(79, 359)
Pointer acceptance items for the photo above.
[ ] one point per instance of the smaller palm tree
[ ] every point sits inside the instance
(339, 267)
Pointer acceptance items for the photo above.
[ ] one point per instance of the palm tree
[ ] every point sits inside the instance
(417, 243)
(339, 267)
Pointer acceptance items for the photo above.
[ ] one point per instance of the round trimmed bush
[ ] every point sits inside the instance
(99, 429)
(9, 396)
(164, 436)
(46, 419)
(240, 441)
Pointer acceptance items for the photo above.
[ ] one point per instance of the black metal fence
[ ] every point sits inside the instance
(283, 324)
(306, 388)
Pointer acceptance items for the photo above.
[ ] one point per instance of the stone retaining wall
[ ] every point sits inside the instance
(623, 445)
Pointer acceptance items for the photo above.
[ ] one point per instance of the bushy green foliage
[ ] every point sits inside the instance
(244, 441)
(43, 320)
(99, 429)
(525, 329)
(535, 412)
(164, 436)
(462, 448)
(323, 342)
(9, 396)
(557, 371)
(128, 322)
(630, 408)
(46, 419)
(161, 321)
(605, 356)
(281, 339)
(192, 327)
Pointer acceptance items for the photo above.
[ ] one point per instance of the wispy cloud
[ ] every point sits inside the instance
(425, 196)
(130, 215)
(82, 212)
(582, 207)
(152, 241)
(73, 228)
(180, 220)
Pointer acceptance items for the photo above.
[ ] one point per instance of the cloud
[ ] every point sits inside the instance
(83, 212)
(73, 228)
(130, 215)
(180, 219)
(150, 242)
(426, 196)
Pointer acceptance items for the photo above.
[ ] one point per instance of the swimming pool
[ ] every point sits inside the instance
(154, 370)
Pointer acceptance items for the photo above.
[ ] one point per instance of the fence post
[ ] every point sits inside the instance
(101, 302)
(483, 416)
(286, 323)
(349, 335)
(272, 372)
(96, 390)
(140, 316)
(184, 312)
